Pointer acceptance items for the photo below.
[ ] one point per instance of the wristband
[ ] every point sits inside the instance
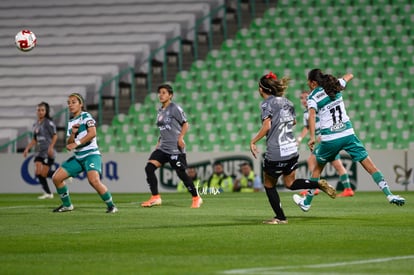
(78, 142)
(299, 139)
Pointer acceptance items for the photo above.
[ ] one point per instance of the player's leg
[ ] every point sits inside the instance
(155, 161)
(343, 177)
(358, 153)
(40, 169)
(270, 176)
(311, 165)
(69, 168)
(92, 165)
(180, 166)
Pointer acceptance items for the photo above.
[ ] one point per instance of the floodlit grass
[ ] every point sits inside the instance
(359, 235)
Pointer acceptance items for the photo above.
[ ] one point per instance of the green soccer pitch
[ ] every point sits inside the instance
(363, 234)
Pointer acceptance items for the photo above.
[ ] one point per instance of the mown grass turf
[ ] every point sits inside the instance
(359, 235)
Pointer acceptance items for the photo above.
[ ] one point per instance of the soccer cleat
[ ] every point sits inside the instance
(63, 208)
(327, 188)
(275, 221)
(112, 209)
(153, 201)
(395, 199)
(305, 192)
(348, 192)
(197, 201)
(45, 196)
(300, 201)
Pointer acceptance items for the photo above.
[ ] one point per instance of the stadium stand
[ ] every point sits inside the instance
(82, 45)
(220, 95)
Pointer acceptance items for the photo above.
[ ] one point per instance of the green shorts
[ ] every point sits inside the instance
(327, 151)
(74, 166)
(338, 156)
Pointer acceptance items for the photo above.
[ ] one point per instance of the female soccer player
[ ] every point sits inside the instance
(81, 139)
(45, 137)
(326, 103)
(281, 157)
(173, 125)
(337, 163)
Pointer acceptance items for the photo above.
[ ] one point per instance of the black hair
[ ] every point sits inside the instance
(328, 82)
(47, 108)
(167, 87)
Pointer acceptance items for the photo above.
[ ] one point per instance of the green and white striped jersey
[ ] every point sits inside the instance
(333, 120)
(85, 120)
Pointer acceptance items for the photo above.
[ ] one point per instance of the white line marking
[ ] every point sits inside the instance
(271, 270)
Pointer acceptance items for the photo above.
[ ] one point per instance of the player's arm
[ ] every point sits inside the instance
(184, 129)
(348, 77)
(312, 128)
(262, 132)
(28, 147)
(90, 134)
(52, 145)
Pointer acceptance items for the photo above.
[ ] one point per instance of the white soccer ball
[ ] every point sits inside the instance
(25, 40)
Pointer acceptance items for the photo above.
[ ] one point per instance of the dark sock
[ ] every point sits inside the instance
(274, 201)
(45, 186)
(187, 182)
(152, 178)
(50, 173)
(304, 184)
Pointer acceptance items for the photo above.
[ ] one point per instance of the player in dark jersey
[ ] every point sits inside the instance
(44, 138)
(281, 157)
(173, 125)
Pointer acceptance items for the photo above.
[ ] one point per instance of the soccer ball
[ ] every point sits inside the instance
(25, 40)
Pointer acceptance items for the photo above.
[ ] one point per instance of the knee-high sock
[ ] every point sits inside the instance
(187, 182)
(107, 198)
(310, 194)
(304, 184)
(45, 186)
(274, 201)
(378, 177)
(345, 181)
(152, 178)
(64, 195)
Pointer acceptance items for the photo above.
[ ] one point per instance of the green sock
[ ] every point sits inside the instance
(345, 181)
(310, 194)
(378, 177)
(107, 198)
(64, 195)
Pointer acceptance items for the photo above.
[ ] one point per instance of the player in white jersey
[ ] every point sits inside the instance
(337, 163)
(325, 101)
(81, 139)
(173, 125)
(281, 157)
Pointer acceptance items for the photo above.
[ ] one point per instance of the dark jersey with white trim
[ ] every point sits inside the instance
(169, 122)
(280, 140)
(43, 133)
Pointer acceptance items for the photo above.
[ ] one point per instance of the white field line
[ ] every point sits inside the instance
(272, 270)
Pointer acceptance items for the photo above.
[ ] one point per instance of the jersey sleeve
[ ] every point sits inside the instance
(51, 128)
(312, 104)
(266, 111)
(179, 114)
(89, 121)
(342, 82)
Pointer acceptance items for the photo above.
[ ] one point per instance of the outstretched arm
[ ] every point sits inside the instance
(348, 77)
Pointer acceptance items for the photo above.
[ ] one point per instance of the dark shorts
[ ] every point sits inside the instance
(177, 162)
(46, 161)
(277, 168)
